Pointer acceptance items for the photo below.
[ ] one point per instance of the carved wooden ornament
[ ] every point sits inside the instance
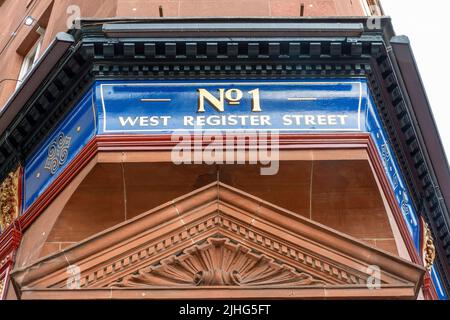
(428, 248)
(2, 285)
(9, 200)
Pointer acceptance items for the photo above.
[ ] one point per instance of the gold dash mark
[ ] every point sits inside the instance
(302, 99)
(156, 100)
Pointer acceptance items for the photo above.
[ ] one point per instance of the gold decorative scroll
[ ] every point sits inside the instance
(428, 248)
(2, 286)
(9, 200)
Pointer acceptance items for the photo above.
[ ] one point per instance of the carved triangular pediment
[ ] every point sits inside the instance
(218, 237)
(218, 261)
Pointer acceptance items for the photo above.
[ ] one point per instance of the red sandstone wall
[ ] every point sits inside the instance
(232, 8)
(17, 38)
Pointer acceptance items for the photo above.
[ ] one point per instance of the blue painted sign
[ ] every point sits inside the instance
(66, 141)
(286, 106)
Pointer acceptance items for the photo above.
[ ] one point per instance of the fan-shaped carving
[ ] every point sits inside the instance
(218, 262)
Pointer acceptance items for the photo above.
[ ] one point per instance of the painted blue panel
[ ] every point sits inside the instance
(438, 284)
(396, 180)
(393, 174)
(59, 149)
(287, 106)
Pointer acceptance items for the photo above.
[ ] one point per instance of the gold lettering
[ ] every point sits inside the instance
(217, 103)
(256, 105)
(233, 96)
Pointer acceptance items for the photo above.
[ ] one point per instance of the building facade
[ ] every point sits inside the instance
(269, 149)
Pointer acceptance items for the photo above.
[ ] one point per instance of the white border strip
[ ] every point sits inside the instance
(171, 84)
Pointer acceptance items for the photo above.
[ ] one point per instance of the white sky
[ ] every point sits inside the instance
(426, 23)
